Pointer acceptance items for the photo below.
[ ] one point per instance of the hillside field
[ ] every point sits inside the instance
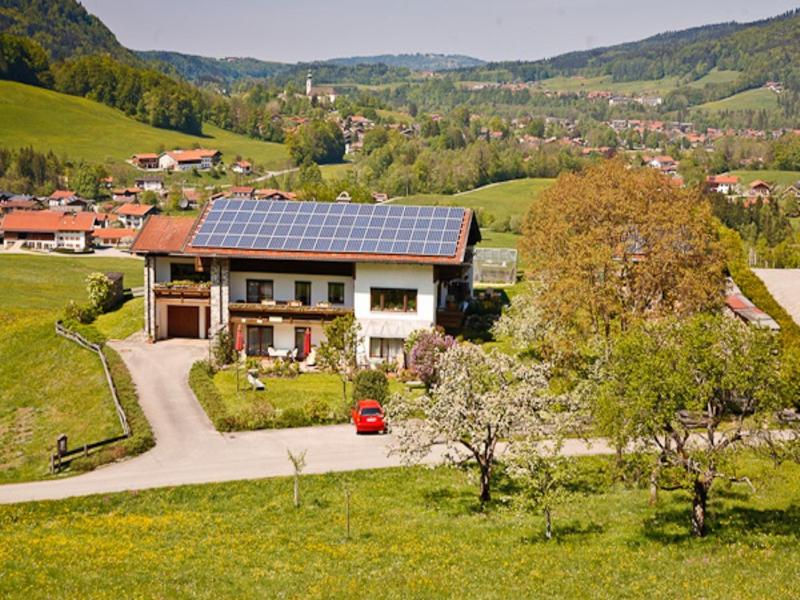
(82, 129)
(50, 385)
(415, 533)
(783, 178)
(757, 99)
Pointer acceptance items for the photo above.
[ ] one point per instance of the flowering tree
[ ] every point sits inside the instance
(98, 288)
(479, 400)
(339, 352)
(693, 390)
(543, 473)
(428, 348)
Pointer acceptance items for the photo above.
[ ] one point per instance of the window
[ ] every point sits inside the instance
(336, 292)
(385, 348)
(186, 272)
(259, 289)
(390, 299)
(302, 292)
(258, 340)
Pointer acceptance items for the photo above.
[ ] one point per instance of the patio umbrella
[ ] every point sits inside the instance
(307, 342)
(239, 338)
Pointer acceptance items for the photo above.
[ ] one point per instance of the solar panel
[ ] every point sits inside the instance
(330, 227)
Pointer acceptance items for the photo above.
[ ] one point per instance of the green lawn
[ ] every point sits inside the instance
(49, 385)
(606, 83)
(337, 170)
(757, 99)
(415, 533)
(123, 321)
(716, 76)
(83, 129)
(784, 178)
(306, 394)
(501, 200)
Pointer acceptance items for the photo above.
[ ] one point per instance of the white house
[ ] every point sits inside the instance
(186, 160)
(242, 167)
(132, 216)
(150, 183)
(49, 229)
(277, 268)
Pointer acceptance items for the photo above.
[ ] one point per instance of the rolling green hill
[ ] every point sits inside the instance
(63, 27)
(83, 129)
(757, 99)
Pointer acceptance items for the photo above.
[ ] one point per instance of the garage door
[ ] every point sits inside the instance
(182, 321)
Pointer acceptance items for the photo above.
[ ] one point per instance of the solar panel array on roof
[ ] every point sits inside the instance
(330, 227)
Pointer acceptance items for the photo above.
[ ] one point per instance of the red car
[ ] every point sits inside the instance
(368, 417)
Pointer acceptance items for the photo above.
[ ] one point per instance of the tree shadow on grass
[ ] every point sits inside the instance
(561, 532)
(729, 524)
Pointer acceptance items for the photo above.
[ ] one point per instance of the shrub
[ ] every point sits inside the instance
(425, 354)
(291, 417)
(79, 313)
(281, 368)
(371, 385)
(100, 291)
(224, 351)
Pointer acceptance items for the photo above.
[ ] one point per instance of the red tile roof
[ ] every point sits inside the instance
(241, 189)
(759, 183)
(724, 179)
(145, 156)
(191, 155)
(114, 233)
(135, 210)
(163, 234)
(59, 194)
(48, 221)
(269, 192)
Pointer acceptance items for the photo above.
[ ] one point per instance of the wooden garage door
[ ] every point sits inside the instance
(182, 321)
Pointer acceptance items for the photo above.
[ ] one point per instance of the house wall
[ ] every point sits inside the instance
(283, 285)
(75, 240)
(166, 162)
(283, 333)
(392, 325)
(162, 267)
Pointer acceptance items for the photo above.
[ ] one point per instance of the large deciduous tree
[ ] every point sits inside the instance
(614, 244)
(693, 390)
(480, 399)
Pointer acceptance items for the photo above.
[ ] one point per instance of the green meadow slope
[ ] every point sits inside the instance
(83, 129)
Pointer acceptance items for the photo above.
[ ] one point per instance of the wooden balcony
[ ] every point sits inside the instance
(289, 311)
(450, 319)
(182, 290)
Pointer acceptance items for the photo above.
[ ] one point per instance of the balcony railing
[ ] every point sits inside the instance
(183, 289)
(322, 310)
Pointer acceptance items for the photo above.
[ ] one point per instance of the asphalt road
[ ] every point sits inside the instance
(784, 285)
(189, 450)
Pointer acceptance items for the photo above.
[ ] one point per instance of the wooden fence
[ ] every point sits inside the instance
(57, 460)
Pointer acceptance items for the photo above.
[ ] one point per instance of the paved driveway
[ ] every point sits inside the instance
(189, 449)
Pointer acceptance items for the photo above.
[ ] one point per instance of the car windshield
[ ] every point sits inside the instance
(370, 411)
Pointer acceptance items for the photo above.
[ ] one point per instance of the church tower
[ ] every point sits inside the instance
(308, 85)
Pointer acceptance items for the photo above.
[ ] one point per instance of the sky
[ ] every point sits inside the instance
(306, 30)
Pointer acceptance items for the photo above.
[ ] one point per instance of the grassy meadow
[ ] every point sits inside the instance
(757, 99)
(774, 177)
(84, 129)
(49, 384)
(415, 533)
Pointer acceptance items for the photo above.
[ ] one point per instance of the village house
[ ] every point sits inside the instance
(190, 199)
(185, 160)
(278, 269)
(241, 191)
(114, 236)
(722, 184)
(271, 194)
(14, 203)
(49, 229)
(146, 161)
(243, 167)
(133, 216)
(759, 189)
(66, 200)
(150, 183)
(128, 194)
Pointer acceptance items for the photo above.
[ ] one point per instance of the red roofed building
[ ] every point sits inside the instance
(48, 229)
(242, 167)
(186, 160)
(722, 184)
(270, 194)
(133, 216)
(114, 236)
(241, 191)
(281, 270)
(146, 161)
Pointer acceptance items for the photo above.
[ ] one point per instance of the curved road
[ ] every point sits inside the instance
(189, 450)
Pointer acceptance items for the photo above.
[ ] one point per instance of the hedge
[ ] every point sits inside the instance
(754, 288)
